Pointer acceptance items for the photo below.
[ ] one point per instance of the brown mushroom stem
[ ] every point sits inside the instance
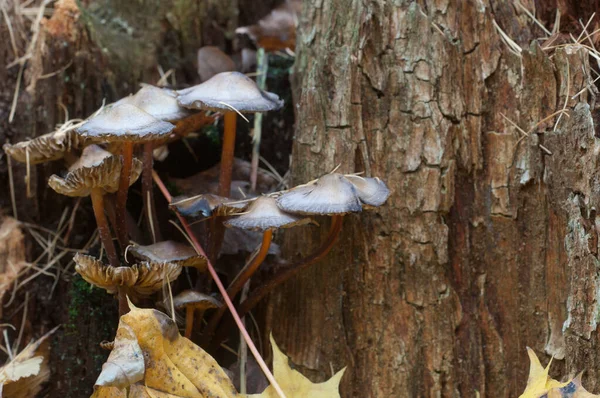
(240, 280)
(189, 320)
(97, 196)
(121, 206)
(147, 194)
(226, 169)
(230, 119)
(284, 275)
(123, 304)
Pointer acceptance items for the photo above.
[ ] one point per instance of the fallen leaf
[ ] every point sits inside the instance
(572, 389)
(173, 364)
(125, 364)
(540, 384)
(294, 384)
(24, 375)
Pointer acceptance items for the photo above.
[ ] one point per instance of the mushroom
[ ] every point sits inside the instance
(97, 172)
(228, 92)
(277, 30)
(162, 104)
(208, 205)
(194, 301)
(333, 194)
(139, 280)
(45, 148)
(126, 124)
(262, 215)
(212, 61)
(371, 191)
(170, 252)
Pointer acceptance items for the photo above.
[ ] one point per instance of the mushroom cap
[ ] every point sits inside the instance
(45, 148)
(96, 168)
(229, 90)
(208, 205)
(330, 194)
(124, 122)
(170, 252)
(160, 103)
(199, 300)
(370, 191)
(212, 61)
(263, 214)
(141, 279)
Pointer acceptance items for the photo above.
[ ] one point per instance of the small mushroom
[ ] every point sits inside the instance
(141, 279)
(126, 124)
(97, 172)
(160, 103)
(333, 194)
(208, 205)
(45, 148)
(228, 92)
(370, 191)
(277, 30)
(194, 301)
(262, 215)
(170, 252)
(212, 61)
(329, 195)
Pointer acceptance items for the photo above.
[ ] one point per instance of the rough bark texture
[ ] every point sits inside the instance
(488, 243)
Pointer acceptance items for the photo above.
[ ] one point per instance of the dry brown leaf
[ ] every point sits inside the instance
(12, 254)
(294, 384)
(173, 363)
(24, 375)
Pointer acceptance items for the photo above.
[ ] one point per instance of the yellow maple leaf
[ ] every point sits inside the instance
(294, 384)
(538, 382)
(173, 365)
(572, 389)
(541, 384)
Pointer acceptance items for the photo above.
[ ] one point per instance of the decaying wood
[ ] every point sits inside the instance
(489, 241)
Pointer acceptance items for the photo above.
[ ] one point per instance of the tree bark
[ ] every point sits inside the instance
(488, 243)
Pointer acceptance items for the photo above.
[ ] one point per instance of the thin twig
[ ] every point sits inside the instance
(223, 291)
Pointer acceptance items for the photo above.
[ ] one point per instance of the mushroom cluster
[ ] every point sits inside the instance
(108, 152)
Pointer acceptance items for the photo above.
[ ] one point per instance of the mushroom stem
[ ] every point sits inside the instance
(227, 154)
(189, 321)
(213, 273)
(239, 282)
(285, 274)
(288, 272)
(147, 194)
(123, 304)
(121, 206)
(97, 196)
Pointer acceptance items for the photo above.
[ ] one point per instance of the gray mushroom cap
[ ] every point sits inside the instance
(171, 252)
(330, 194)
(96, 168)
(124, 122)
(226, 91)
(160, 103)
(196, 299)
(263, 214)
(208, 205)
(371, 191)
